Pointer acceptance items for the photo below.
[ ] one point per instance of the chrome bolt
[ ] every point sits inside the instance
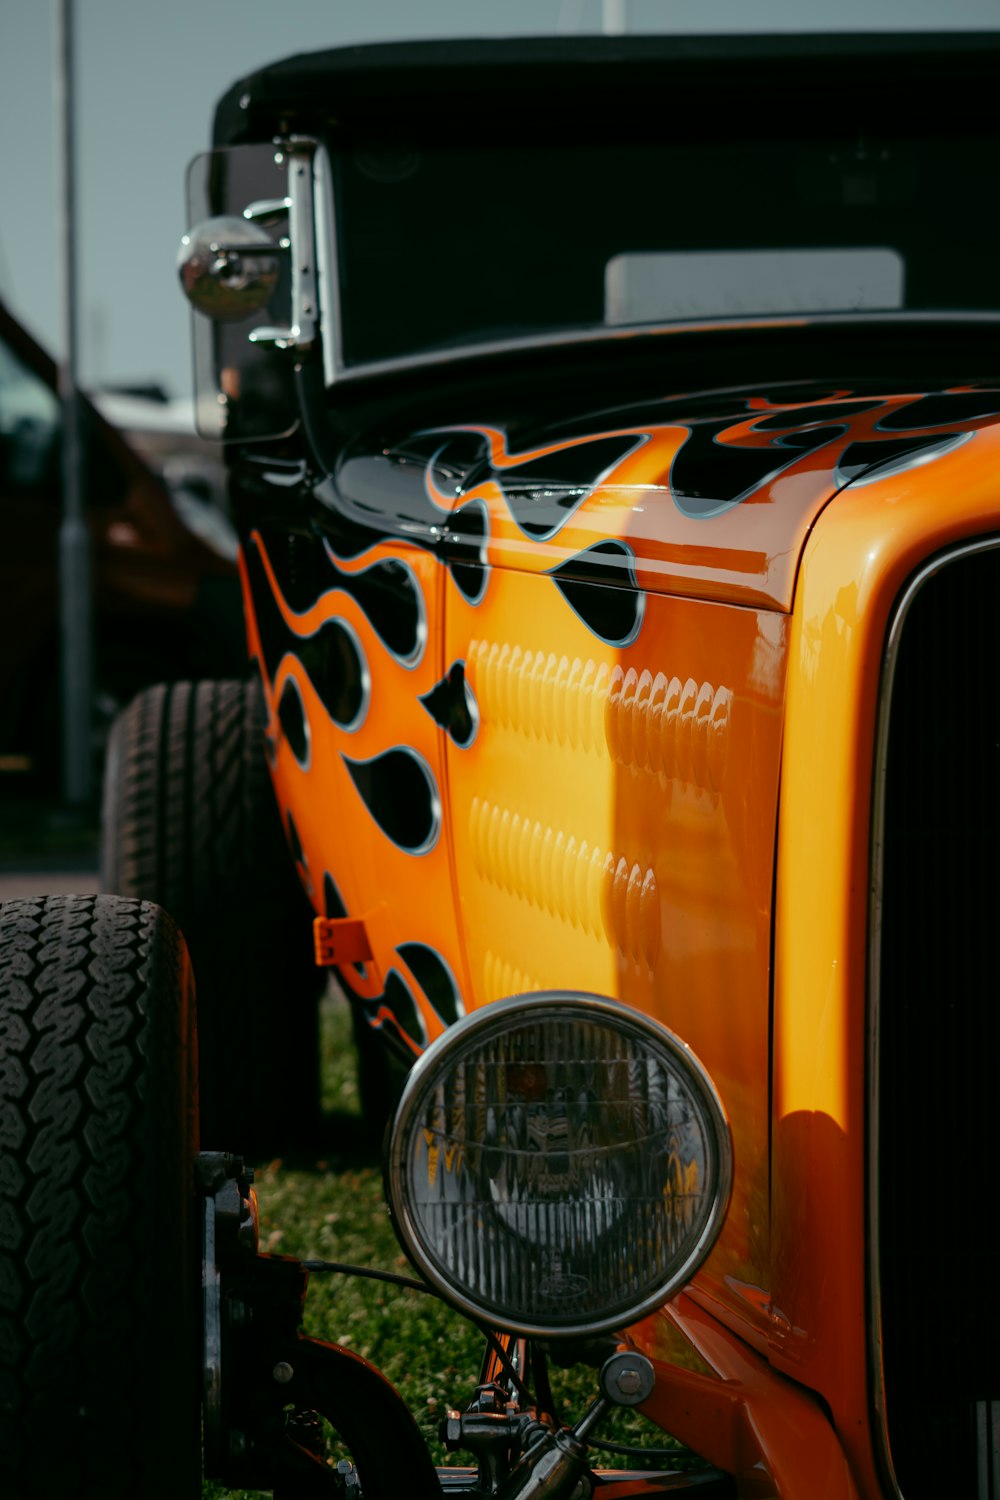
(627, 1378)
(283, 1372)
(451, 1430)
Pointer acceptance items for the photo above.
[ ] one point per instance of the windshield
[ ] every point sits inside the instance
(439, 247)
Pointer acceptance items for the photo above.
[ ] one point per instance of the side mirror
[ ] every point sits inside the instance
(249, 270)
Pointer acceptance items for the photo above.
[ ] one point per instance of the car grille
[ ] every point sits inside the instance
(936, 1058)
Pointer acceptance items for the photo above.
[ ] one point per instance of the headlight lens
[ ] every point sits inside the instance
(559, 1164)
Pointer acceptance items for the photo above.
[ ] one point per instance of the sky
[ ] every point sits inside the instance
(148, 73)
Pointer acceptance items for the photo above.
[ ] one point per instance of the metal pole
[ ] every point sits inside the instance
(75, 608)
(614, 21)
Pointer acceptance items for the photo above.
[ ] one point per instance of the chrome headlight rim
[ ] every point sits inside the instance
(495, 1018)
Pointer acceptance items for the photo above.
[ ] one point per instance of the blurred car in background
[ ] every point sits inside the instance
(166, 595)
(161, 430)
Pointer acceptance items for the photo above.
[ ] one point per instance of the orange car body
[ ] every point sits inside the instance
(577, 683)
(562, 784)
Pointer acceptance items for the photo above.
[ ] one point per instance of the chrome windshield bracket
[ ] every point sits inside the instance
(300, 335)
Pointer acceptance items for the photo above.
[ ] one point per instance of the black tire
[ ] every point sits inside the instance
(381, 1077)
(190, 822)
(99, 1276)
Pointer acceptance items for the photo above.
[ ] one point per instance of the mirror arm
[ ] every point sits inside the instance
(267, 211)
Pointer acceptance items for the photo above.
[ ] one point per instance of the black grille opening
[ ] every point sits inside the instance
(939, 1037)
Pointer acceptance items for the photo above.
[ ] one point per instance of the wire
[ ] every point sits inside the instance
(370, 1273)
(510, 1369)
(343, 1269)
(540, 1375)
(630, 1452)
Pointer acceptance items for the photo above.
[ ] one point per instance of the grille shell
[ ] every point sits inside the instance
(935, 1028)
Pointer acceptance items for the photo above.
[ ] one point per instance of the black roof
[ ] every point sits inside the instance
(537, 85)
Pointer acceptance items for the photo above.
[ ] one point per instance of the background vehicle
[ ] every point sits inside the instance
(165, 592)
(619, 503)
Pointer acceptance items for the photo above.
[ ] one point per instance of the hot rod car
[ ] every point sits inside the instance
(614, 436)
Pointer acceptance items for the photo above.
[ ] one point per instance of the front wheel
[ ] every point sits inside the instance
(99, 1309)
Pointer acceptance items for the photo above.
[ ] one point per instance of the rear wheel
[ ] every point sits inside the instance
(99, 1286)
(190, 821)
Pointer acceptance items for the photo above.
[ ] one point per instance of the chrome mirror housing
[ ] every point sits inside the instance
(228, 268)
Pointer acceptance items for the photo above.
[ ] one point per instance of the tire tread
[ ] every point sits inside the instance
(190, 821)
(97, 1131)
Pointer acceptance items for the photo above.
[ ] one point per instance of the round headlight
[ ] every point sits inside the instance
(559, 1164)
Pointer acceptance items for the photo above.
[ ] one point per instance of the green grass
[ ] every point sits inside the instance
(333, 1209)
